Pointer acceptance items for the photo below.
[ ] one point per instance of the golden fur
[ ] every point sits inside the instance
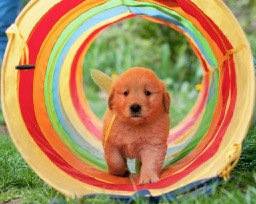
(141, 105)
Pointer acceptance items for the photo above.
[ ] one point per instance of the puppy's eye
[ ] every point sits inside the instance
(126, 93)
(148, 93)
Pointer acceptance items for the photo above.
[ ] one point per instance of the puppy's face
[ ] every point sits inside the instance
(138, 96)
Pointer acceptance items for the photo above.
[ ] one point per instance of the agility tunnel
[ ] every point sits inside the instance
(57, 134)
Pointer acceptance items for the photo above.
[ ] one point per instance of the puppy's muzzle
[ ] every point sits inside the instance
(135, 108)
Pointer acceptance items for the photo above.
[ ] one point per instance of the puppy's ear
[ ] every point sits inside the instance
(166, 102)
(110, 100)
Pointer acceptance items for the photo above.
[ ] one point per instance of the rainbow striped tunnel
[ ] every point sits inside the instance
(58, 135)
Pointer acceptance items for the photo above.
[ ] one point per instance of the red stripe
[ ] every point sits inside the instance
(228, 89)
(209, 26)
(45, 25)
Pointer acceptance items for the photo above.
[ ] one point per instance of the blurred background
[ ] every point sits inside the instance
(137, 42)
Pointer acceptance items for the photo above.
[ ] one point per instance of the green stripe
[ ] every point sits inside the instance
(203, 127)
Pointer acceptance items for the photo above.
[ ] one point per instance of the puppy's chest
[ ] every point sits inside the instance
(131, 141)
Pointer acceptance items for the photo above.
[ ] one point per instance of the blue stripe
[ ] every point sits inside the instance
(201, 187)
(152, 12)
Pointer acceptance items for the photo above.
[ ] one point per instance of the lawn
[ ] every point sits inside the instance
(19, 184)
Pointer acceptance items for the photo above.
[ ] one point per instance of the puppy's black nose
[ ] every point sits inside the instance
(135, 108)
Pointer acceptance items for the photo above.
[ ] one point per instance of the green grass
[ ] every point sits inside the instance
(18, 183)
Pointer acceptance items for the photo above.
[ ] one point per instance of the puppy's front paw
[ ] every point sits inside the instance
(145, 179)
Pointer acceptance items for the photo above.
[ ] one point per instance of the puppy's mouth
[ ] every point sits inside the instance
(136, 117)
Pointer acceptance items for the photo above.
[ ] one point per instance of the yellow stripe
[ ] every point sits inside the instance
(109, 129)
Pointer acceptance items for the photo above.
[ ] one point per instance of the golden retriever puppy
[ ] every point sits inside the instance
(138, 107)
